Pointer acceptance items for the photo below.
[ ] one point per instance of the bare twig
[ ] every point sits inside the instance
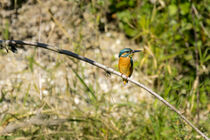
(107, 69)
(36, 120)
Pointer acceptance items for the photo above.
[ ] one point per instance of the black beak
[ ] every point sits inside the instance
(134, 51)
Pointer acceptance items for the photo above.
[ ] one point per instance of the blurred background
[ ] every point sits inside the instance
(45, 95)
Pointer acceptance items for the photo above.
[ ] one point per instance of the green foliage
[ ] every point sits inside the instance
(175, 43)
(173, 33)
(175, 37)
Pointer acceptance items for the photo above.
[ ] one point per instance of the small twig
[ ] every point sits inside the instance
(35, 120)
(101, 66)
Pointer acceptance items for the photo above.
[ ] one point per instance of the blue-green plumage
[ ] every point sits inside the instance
(131, 59)
(126, 62)
(126, 50)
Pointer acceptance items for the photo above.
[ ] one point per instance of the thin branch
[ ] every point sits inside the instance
(101, 66)
(36, 120)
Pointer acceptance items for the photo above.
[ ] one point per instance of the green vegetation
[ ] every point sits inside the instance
(175, 37)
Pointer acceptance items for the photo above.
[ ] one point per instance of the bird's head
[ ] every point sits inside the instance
(127, 52)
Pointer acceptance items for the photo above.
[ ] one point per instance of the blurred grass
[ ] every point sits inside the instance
(166, 33)
(169, 41)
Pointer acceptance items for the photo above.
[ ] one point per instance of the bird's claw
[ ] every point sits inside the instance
(123, 77)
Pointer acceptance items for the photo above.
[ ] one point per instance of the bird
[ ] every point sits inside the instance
(125, 63)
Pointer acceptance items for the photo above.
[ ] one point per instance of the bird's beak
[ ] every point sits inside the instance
(134, 51)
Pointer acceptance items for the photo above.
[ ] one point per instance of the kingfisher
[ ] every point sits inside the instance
(125, 64)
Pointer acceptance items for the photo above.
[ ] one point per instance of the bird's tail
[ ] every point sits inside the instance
(125, 81)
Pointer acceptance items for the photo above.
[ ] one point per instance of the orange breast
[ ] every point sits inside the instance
(125, 66)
